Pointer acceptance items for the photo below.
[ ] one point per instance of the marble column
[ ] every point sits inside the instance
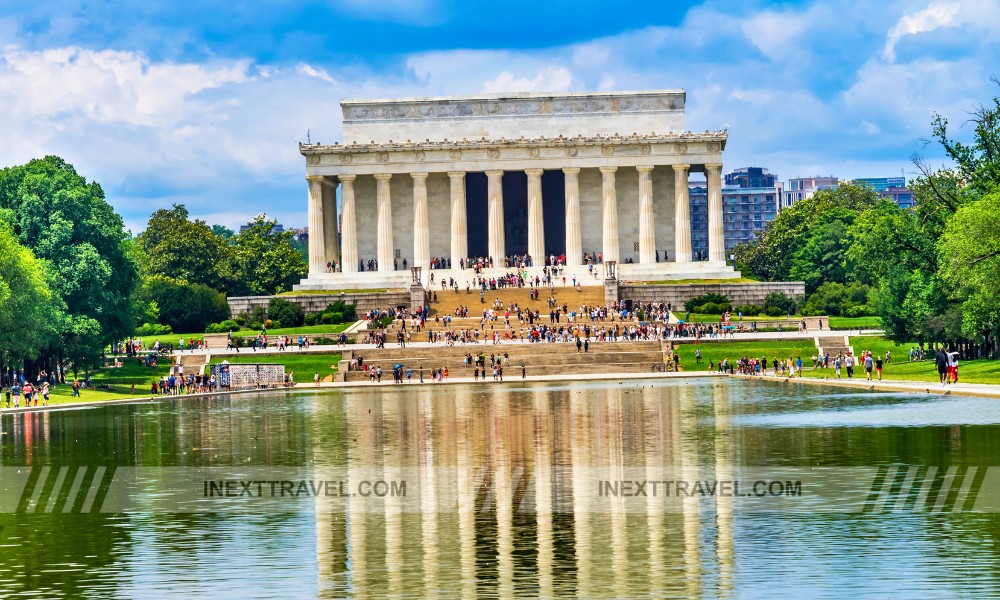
(459, 230)
(682, 215)
(331, 238)
(317, 246)
(421, 225)
(536, 224)
(348, 225)
(609, 214)
(574, 233)
(497, 243)
(716, 231)
(647, 217)
(386, 250)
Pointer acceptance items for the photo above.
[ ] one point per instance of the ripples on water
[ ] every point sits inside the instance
(522, 433)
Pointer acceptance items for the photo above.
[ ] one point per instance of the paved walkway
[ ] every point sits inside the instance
(513, 378)
(736, 337)
(983, 390)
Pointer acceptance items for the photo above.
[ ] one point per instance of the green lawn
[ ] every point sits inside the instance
(303, 365)
(695, 281)
(149, 340)
(969, 371)
(772, 322)
(120, 380)
(716, 351)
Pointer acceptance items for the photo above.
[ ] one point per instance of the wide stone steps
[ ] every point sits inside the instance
(833, 345)
(449, 301)
(538, 358)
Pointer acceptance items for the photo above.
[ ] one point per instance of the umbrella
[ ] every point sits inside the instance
(397, 366)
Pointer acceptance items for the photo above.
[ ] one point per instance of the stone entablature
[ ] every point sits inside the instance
(511, 115)
(578, 151)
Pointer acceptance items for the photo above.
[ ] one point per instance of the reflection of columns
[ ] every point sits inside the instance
(459, 232)
(503, 482)
(543, 493)
(723, 504)
(385, 246)
(716, 233)
(330, 238)
(430, 536)
(497, 244)
(616, 461)
(536, 227)
(574, 234)
(581, 418)
(682, 215)
(348, 225)
(647, 217)
(609, 214)
(688, 433)
(317, 248)
(653, 431)
(421, 225)
(467, 485)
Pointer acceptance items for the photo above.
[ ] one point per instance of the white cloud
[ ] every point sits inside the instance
(547, 79)
(937, 15)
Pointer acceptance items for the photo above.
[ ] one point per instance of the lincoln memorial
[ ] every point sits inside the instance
(505, 180)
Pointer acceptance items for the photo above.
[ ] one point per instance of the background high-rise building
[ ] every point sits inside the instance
(750, 200)
(800, 188)
(881, 184)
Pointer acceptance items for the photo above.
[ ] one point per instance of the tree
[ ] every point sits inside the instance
(185, 307)
(978, 163)
(67, 223)
(222, 231)
(27, 306)
(970, 264)
(289, 314)
(181, 248)
(782, 245)
(266, 261)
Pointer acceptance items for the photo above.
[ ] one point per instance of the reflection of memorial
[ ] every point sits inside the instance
(506, 499)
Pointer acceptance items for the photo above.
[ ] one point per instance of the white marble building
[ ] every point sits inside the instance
(603, 173)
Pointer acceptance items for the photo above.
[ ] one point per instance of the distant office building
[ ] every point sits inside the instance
(746, 209)
(277, 228)
(893, 188)
(750, 177)
(902, 196)
(881, 184)
(800, 188)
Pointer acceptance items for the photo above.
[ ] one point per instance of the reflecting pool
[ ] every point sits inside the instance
(506, 490)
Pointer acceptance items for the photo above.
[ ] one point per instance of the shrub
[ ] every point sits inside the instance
(255, 315)
(223, 327)
(256, 325)
(348, 311)
(311, 319)
(774, 311)
(381, 323)
(692, 303)
(748, 310)
(331, 318)
(185, 306)
(712, 308)
(786, 305)
(838, 299)
(153, 329)
(289, 313)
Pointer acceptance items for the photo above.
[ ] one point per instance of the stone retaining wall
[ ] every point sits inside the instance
(738, 293)
(314, 303)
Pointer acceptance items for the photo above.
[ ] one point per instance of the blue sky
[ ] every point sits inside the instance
(165, 102)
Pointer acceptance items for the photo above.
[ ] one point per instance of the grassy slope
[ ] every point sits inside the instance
(716, 351)
(120, 381)
(304, 365)
(149, 340)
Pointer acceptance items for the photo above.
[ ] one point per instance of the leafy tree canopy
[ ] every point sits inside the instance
(68, 224)
(28, 315)
(178, 247)
(266, 261)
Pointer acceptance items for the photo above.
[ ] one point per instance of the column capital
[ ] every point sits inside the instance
(713, 166)
(456, 174)
(608, 170)
(346, 178)
(644, 168)
(534, 172)
(682, 167)
(383, 176)
(419, 175)
(571, 170)
(315, 178)
(494, 173)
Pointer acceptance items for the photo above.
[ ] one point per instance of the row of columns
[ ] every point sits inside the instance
(323, 241)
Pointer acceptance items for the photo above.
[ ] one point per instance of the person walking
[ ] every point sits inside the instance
(941, 361)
